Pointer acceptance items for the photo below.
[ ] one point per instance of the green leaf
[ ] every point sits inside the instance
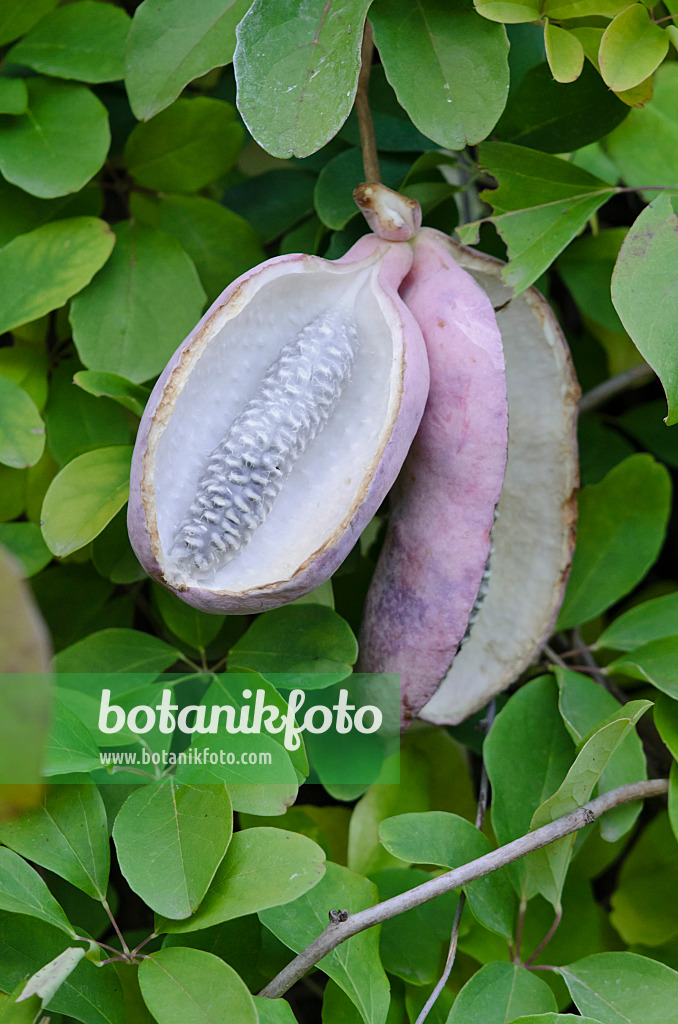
(13, 96)
(354, 965)
(556, 118)
(460, 86)
(40, 270)
(528, 753)
(171, 42)
(499, 991)
(90, 994)
(68, 834)
(12, 1012)
(78, 423)
(541, 204)
(22, 432)
(264, 867)
(447, 840)
(584, 705)
(22, 891)
(221, 244)
(512, 12)
(59, 143)
(645, 292)
(273, 202)
(292, 98)
(12, 492)
(623, 987)
(274, 1011)
(654, 662)
(586, 267)
(21, 212)
(185, 147)
(298, 639)
(666, 720)
(71, 747)
(46, 982)
(641, 912)
(27, 368)
(117, 650)
(622, 521)
(238, 942)
(84, 496)
(84, 40)
(18, 16)
(548, 866)
(194, 627)
(25, 542)
(632, 48)
(645, 423)
(112, 385)
(180, 985)
(644, 149)
(417, 962)
(73, 600)
(170, 840)
(117, 328)
(564, 52)
(563, 9)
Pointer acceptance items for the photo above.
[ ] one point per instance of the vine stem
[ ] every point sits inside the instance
(339, 931)
(368, 142)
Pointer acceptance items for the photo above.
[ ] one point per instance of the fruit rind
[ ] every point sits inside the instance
(534, 535)
(442, 512)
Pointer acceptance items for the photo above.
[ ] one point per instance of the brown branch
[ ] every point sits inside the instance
(339, 931)
(368, 142)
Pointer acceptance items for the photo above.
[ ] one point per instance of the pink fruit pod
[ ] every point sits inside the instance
(277, 428)
(461, 604)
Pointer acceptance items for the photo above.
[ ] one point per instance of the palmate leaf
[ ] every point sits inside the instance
(541, 204)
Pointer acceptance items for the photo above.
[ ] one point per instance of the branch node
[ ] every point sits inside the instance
(338, 916)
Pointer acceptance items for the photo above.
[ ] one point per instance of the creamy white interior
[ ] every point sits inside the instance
(531, 537)
(323, 486)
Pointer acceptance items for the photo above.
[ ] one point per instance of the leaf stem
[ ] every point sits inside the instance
(483, 795)
(339, 931)
(125, 947)
(368, 142)
(547, 938)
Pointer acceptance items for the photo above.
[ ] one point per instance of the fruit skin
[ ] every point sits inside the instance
(438, 541)
(534, 535)
(412, 391)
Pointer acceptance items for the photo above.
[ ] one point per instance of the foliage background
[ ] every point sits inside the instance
(133, 190)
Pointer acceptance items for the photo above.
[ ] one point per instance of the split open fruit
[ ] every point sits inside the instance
(277, 429)
(281, 423)
(457, 613)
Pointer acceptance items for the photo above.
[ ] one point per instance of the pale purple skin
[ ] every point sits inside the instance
(438, 541)
(320, 566)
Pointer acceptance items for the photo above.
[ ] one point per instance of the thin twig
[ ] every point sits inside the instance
(339, 931)
(519, 930)
(555, 658)
(368, 142)
(547, 938)
(603, 393)
(125, 947)
(483, 794)
(597, 672)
